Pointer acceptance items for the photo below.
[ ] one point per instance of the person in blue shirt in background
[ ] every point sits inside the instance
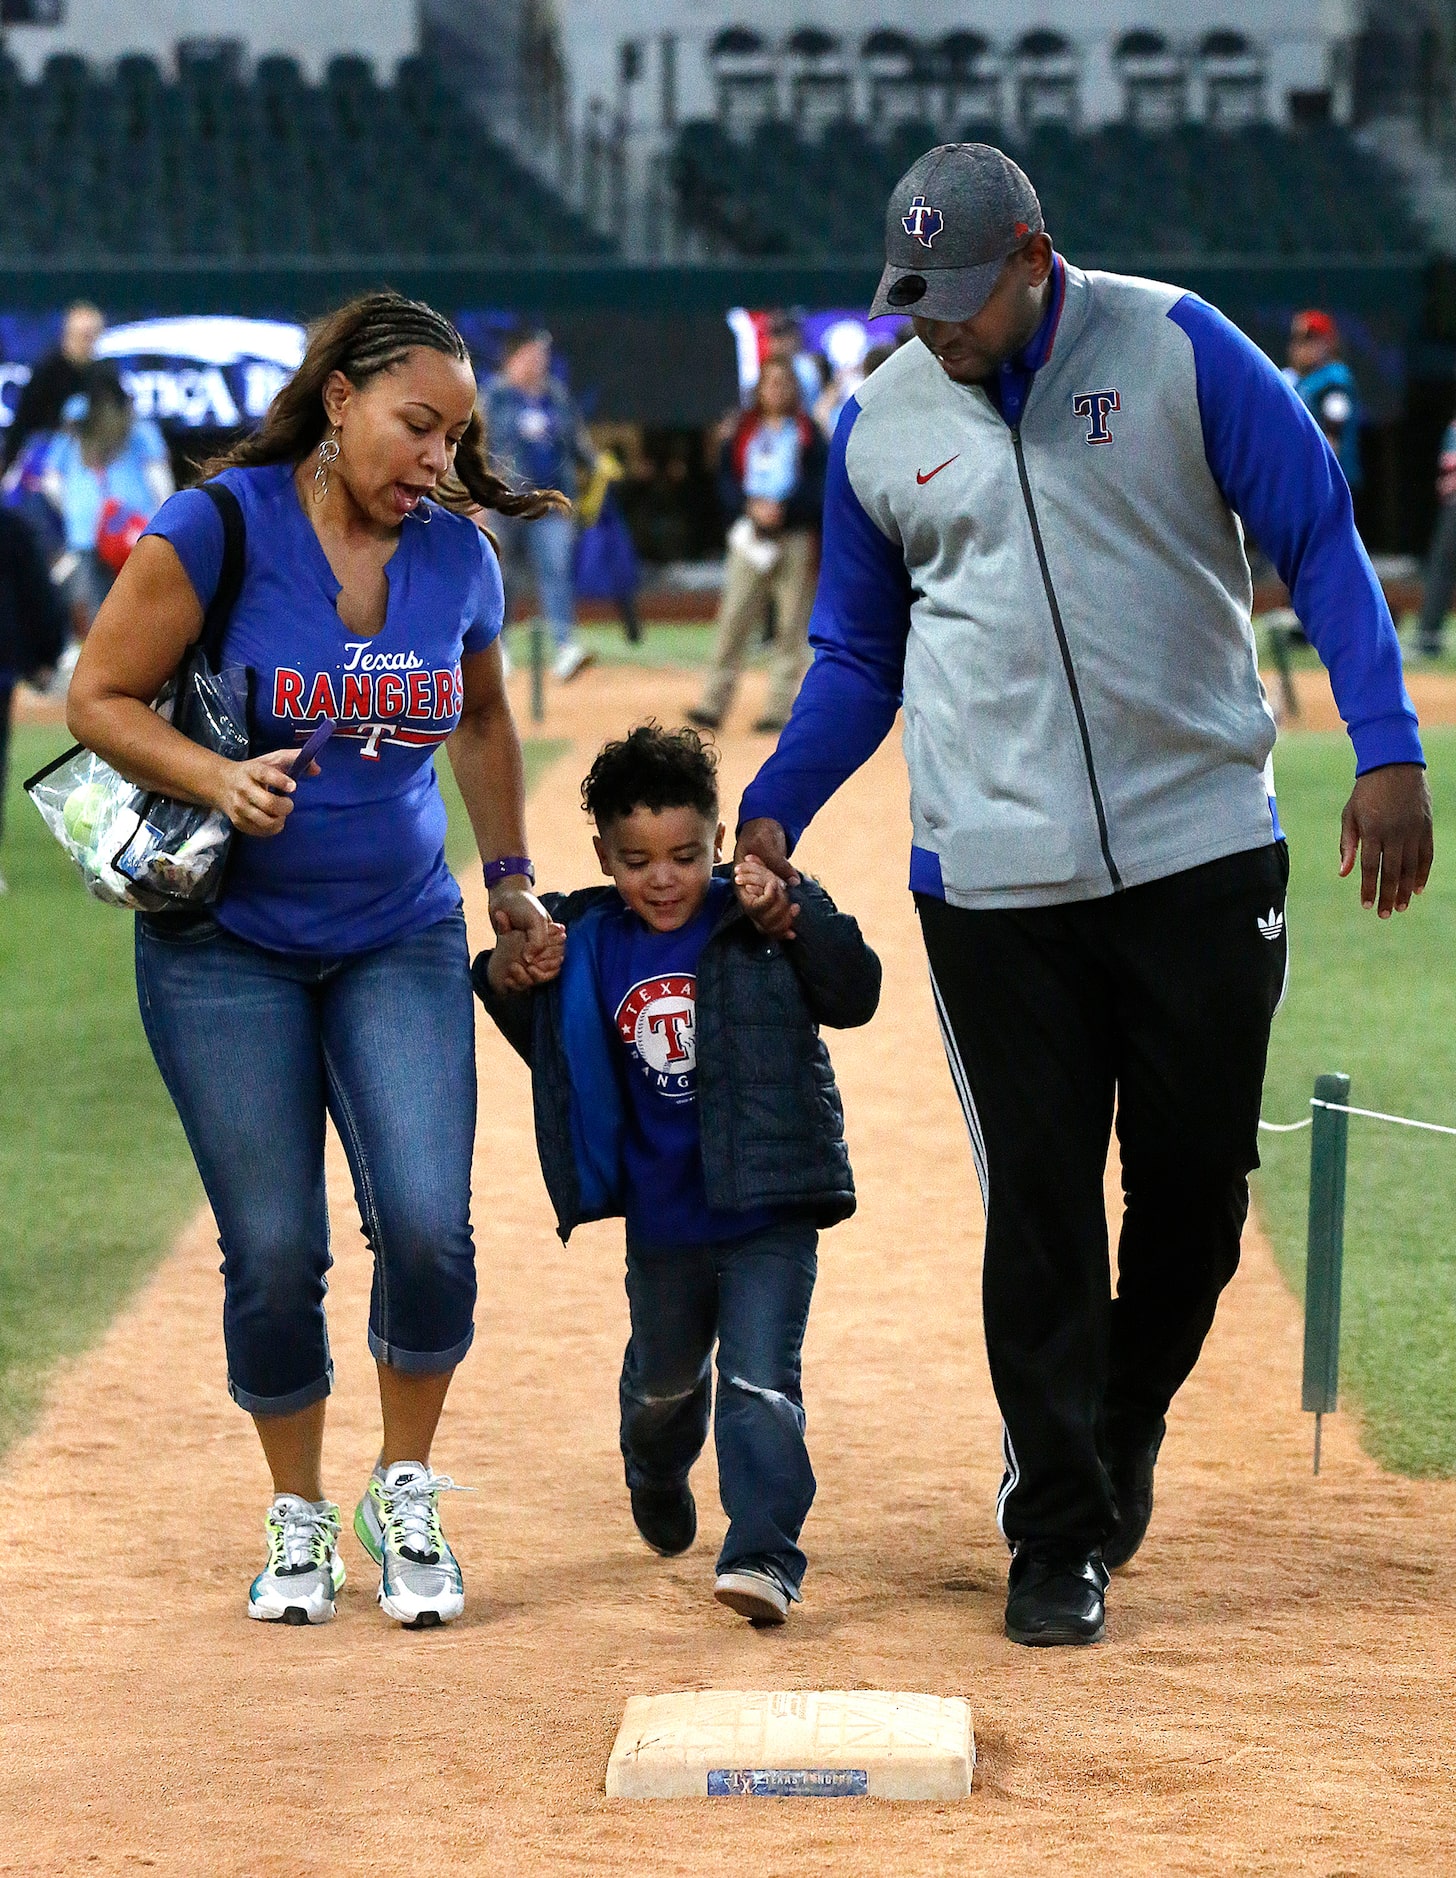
(107, 472)
(332, 976)
(1326, 386)
(538, 438)
(771, 487)
(680, 1080)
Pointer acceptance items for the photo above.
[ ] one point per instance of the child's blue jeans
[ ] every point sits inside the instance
(751, 1296)
(254, 1046)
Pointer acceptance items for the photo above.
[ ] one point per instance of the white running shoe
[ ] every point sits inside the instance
(304, 1572)
(398, 1524)
(756, 1595)
(573, 657)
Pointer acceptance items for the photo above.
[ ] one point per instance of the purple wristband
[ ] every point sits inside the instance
(508, 864)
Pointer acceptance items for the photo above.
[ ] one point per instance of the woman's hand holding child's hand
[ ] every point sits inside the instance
(764, 897)
(519, 964)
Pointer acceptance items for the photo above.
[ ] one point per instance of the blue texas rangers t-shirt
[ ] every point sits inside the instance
(361, 860)
(649, 984)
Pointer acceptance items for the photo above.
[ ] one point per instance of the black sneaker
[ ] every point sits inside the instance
(705, 720)
(1130, 1451)
(1055, 1593)
(666, 1517)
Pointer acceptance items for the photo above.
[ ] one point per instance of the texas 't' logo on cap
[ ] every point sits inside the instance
(921, 222)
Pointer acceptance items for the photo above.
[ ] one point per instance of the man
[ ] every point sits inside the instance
(538, 436)
(1441, 556)
(57, 378)
(1326, 386)
(1031, 532)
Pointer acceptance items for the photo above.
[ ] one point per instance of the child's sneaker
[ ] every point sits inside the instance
(304, 1572)
(754, 1594)
(666, 1517)
(398, 1524)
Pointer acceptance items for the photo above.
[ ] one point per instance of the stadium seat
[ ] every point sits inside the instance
(1115, 194)
(213, 163)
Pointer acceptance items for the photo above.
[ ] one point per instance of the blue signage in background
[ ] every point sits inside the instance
(209, 372)
(205, 372)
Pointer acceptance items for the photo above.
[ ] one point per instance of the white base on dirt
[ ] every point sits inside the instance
(824, 1743)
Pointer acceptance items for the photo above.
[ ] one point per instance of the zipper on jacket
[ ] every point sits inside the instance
(1067, 666)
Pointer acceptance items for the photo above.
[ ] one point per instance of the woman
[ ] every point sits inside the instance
(107, 473)
(772, 481)
(333, 974)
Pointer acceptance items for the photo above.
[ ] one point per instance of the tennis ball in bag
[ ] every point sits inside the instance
(87, 810)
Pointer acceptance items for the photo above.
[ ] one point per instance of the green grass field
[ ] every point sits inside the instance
(95, 1174)
(677, 645)
(1376, 999)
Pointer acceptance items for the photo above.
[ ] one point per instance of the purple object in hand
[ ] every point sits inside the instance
(317, 739)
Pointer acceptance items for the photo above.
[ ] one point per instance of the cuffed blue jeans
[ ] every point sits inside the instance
(751, 1296)
(255, 1047)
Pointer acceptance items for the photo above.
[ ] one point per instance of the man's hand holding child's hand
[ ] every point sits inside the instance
(520, 961)
(764, 897)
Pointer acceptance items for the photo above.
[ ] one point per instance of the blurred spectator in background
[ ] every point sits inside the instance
(32, 626)
(850, 363)
(606, 565)
(771, 482)
(1441, 561)
(1326, 386)
(59, 376)
(538, 437)
(108, 473)
(785, 340)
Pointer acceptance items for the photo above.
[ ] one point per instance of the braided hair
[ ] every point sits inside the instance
(370, 335)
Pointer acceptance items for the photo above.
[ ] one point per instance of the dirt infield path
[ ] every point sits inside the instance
(1274, 1696)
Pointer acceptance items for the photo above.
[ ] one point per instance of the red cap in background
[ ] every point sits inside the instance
(1313, 324)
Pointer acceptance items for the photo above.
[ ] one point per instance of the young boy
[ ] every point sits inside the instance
(679, 1080)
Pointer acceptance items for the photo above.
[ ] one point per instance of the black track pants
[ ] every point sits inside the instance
(1155, 1001)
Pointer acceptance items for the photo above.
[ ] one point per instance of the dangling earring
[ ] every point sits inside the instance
(328, 452)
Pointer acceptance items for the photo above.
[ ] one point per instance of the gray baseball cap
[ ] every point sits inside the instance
(953, 218)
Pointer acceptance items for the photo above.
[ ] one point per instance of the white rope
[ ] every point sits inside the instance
(1378, 1115)
(1344, 1108)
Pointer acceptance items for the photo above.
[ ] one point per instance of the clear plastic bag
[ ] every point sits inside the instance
(135, 847)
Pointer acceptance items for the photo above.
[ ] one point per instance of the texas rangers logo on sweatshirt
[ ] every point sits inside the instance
(657, 1021)
(380, 698)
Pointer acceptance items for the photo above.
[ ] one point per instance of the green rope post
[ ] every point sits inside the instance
(1328, 1139)
(538, 671)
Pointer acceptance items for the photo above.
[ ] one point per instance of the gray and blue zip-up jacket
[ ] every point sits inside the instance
(1049, 572)
(770, 1118)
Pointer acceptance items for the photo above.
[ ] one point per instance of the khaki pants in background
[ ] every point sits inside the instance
(741, 616)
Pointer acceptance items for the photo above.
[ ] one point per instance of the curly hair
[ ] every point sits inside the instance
(651, 768)
(370, 335)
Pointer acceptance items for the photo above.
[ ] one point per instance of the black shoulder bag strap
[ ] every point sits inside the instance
(230, 576)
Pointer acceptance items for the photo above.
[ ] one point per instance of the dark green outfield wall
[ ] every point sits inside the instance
(651, 339)
(306, 286)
